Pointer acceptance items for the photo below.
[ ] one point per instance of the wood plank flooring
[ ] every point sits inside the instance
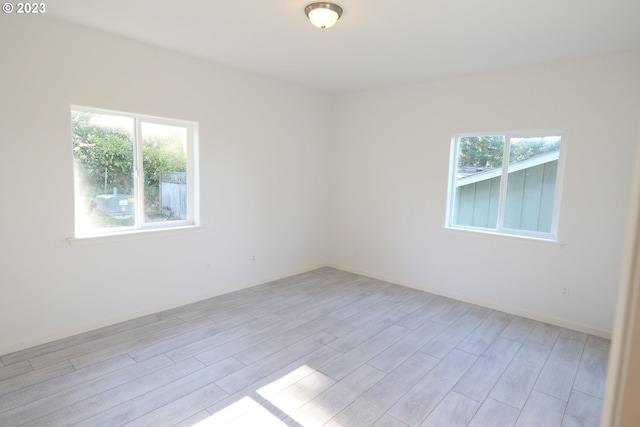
(323, 348)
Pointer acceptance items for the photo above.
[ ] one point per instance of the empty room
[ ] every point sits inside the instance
(360, 213)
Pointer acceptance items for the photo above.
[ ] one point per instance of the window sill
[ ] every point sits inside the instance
(133, 235)
(538, 241)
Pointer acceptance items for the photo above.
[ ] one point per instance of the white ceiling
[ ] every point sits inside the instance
(376, 43)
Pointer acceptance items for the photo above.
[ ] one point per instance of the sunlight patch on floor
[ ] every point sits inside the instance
(289, 395)
(244, 412)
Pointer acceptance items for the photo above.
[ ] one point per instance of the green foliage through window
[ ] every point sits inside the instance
(106, 149)
(518, 196)
(488, 151)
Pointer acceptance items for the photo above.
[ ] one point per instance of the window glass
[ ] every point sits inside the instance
(519, 196)
(103, 154)
(478, 176)
(131, 172)
(164, 153)
(533, 167)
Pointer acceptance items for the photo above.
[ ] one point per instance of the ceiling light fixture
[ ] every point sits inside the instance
(323, 15)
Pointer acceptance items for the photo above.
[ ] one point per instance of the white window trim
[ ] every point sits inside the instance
(140, 228)
(132, 235)
(552, 236)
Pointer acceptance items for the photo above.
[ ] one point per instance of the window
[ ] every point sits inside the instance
(517, 196)
(131, 172)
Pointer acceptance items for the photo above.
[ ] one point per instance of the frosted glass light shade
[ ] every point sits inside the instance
(323, 15)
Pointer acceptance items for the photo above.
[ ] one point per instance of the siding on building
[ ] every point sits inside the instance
(529, 201)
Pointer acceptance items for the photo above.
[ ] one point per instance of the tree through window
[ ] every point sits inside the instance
(517, 196)
(131, 172)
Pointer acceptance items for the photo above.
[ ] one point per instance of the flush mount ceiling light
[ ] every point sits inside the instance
(323, 15)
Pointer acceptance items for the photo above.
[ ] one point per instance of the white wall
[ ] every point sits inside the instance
(263, 178)
(269, 171)
(390, 171)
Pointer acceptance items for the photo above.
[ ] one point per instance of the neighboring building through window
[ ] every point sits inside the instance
(507, 183)
(132, 172)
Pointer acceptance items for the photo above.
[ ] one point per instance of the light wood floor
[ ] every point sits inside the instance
(321, 348)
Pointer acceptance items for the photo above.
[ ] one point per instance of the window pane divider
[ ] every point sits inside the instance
(503, 182)
(151, 162)
(532, 207)
(139, 176)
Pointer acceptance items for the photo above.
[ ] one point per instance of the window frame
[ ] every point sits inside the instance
(140, 225)
(500, 229)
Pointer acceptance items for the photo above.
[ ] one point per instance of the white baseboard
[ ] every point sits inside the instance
(148, 311)
(221, 291)
(488, 304)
